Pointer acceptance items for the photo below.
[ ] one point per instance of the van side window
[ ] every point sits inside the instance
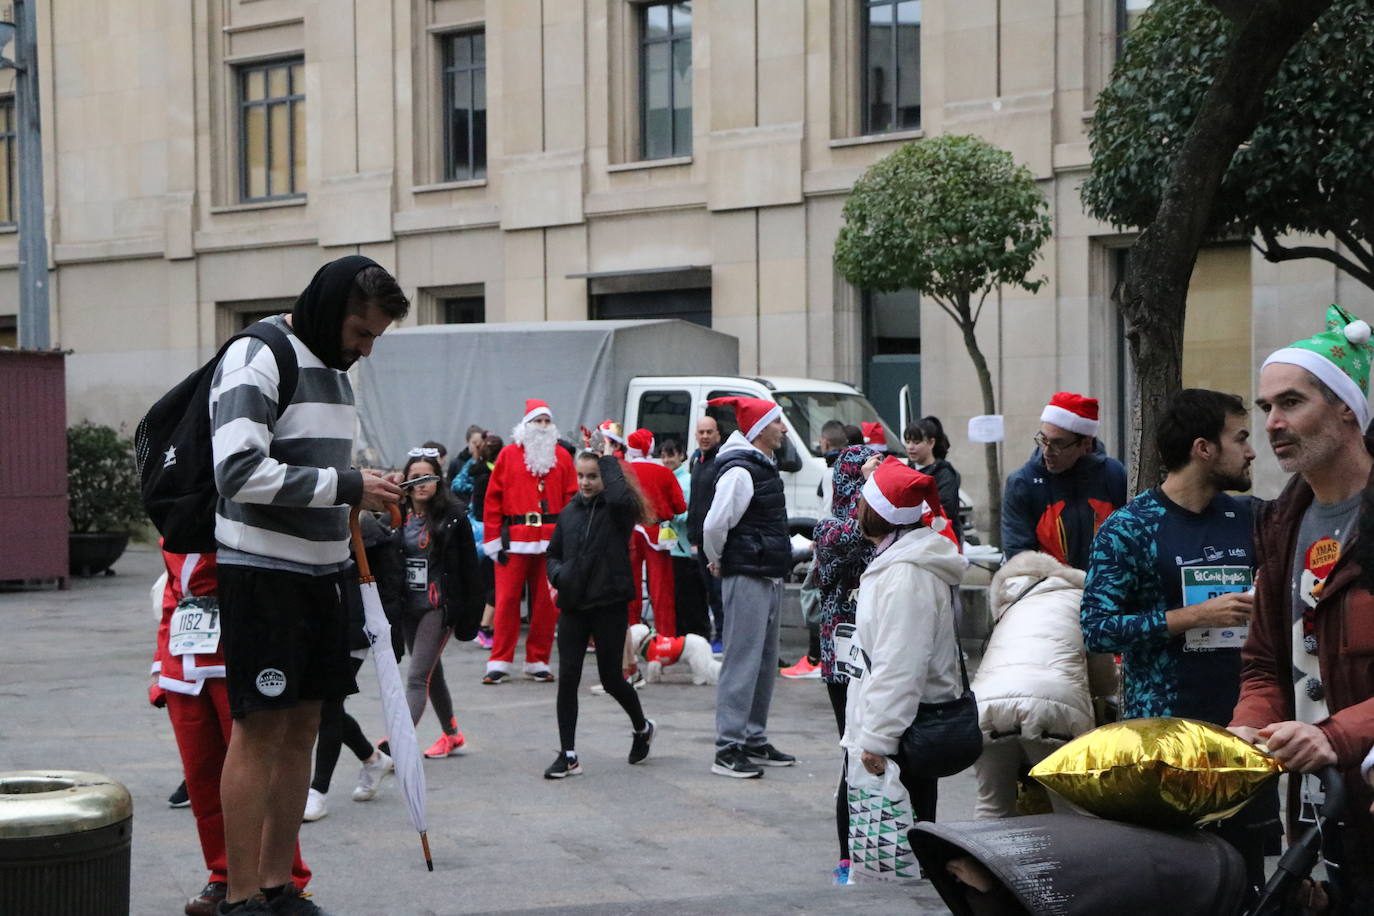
(667, 414)
(725, 416)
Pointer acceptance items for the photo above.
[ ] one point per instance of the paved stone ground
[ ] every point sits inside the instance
(664, 837)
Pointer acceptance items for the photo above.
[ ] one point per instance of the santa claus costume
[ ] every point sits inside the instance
(532, 481)
(650, 544)
(189, 666)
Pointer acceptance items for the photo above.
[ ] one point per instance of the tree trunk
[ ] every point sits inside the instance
(980, 365)
(1160, 265)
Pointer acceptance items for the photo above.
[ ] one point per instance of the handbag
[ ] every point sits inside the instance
(810, 597)
(944, 738)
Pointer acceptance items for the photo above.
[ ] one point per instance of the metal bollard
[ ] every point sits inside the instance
(64, 843)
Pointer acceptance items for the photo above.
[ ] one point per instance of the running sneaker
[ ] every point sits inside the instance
(717, 648)
(640, 741)
(370, 777)
(294, 902)
(180, 798)
(768, 756)
(804, 669)
(542, 675)
(636, 679)
(562, 766)
(731, 761)
(446, 746)
(484, 639)
(315, 806)
(255, 905)
(207, 901)
(841, 874)
(495, 677)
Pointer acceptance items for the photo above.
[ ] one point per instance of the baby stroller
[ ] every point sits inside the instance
(1072, 865)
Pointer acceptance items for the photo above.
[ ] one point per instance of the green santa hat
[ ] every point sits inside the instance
(1339, 356)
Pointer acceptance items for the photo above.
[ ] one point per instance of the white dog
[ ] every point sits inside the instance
(657, 653)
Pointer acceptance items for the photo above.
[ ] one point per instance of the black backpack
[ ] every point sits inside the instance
(172, 447)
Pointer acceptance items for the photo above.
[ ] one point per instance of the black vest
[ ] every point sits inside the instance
(758, 544)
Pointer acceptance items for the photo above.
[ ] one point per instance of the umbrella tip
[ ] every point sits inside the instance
(424, 844)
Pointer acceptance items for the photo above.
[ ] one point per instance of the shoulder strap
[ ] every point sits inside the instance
(288, 370)
(959, 649)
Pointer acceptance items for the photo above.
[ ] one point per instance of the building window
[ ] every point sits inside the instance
(665, 80)
(465, 106)
(891, 31)
(272, 130)
(463, 310)
(7, 161)
(1128, 13)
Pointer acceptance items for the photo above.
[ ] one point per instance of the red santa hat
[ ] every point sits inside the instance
(751, 414)
(1073, 412)
(641, 443)
(536, 408)
(612, 430)
(903, 496)
(875, 437)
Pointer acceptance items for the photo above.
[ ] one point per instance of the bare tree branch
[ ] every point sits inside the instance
(1275, 252)
(947, 310)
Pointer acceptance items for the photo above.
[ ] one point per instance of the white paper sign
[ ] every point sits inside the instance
(987, 428)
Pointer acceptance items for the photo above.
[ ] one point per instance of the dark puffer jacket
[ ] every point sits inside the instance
(589, 554)
(758, 544)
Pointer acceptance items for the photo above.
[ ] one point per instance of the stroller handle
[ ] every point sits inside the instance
(1333, 785)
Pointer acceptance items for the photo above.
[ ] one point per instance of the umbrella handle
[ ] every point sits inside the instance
(355, 532)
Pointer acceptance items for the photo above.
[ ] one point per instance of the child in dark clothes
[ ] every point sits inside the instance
(589, 566)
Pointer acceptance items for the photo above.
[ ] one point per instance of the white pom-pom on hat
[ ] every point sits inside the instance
(1357, 332)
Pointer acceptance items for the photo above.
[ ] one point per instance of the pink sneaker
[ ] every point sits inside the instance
(802, 670)
(483, 639)
(446, 746)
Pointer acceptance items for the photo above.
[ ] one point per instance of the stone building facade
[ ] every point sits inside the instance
(517, 160)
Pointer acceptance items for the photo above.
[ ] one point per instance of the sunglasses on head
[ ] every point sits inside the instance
(423, 453)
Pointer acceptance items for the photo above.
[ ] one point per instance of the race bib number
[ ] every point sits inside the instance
(1203, 582)
(417, 573)
(194, 629)
(849, 656)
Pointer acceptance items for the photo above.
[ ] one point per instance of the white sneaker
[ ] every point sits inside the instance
(315, 807)
(370, 777)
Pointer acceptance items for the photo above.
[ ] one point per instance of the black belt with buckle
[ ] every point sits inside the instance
(532, 518)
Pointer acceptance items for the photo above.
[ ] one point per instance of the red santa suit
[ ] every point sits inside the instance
(520, 512)
(189, 666)
(648, 546)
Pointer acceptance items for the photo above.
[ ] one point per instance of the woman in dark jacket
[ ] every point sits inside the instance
(928, 445)
(588, 563)
(443, 593)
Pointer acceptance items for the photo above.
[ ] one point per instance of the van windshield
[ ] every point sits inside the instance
(807, 411)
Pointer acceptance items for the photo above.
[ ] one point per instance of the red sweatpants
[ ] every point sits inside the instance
(201, 725)
(661, 593)
(511, 579)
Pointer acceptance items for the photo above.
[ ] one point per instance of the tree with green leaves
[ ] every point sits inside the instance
(953, 218)
(1225, 119)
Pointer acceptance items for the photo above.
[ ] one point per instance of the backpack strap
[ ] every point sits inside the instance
(288, 370)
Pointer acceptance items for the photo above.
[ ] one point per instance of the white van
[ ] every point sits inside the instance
(671, 405)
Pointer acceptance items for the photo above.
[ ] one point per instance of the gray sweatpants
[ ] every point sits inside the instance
(753, 615)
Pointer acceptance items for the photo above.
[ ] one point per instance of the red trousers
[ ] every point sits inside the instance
(201, 725)
(520, 570)
(661, 594)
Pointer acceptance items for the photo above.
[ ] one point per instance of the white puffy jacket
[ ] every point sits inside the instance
(1033, 680)
(904, 623)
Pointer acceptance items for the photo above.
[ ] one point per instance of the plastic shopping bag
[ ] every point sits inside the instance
(880, 818)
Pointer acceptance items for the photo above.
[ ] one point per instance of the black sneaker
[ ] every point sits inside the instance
(294, 902)
(563, 765)
(639, 746)
(179, 798)
(255, 905)
(495, 677)
(731, 761)
(765, 755)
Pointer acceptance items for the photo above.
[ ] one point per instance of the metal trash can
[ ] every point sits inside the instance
(64, 843)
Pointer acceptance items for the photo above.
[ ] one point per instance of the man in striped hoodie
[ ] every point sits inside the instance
(285, 486)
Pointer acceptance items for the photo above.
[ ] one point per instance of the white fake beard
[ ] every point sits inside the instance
(540, 444)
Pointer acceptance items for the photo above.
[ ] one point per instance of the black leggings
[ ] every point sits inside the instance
(925, 793)
(337, 728)
(607, 624)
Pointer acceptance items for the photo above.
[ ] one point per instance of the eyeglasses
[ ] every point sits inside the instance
(1055, 446)
(423, 453)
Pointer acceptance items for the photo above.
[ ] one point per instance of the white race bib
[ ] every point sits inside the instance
(849, 656)
(417, 573)
(1203, 582)
(1215, 637)
(194, 628)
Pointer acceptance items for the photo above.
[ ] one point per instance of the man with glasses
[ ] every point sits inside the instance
(1055, 502)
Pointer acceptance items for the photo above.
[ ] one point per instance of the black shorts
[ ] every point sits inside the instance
(285, 637)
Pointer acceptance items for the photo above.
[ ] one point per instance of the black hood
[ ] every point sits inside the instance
(318, 315)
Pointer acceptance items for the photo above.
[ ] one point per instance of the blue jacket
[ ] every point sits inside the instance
(1058, 514)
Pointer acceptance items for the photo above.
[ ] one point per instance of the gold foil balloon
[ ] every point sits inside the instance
(1163, 772)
